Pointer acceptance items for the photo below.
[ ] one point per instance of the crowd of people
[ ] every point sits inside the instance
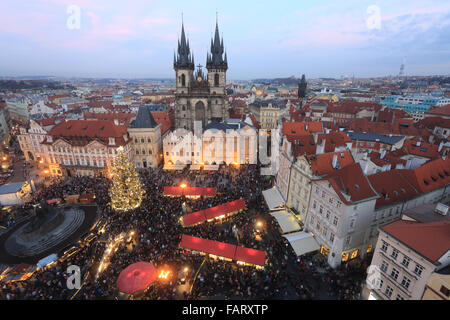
(154, 232)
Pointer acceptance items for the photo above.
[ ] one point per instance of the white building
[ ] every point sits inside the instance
(220, 143)
(406, 255)
(340, 214)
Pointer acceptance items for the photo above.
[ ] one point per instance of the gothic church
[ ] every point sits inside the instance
(200, 97)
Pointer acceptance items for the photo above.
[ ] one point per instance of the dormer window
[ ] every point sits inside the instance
(112, 141)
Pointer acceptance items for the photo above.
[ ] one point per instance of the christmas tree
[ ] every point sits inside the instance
(127, 191)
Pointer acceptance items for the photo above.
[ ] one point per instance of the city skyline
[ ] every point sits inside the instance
(324, 39)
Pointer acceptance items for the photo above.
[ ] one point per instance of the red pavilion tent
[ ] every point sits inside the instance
(189, 191)
(209, 214)
(223, 250)
(136, 277)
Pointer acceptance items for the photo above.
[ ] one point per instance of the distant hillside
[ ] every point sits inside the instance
(289, 82)
(31, 84)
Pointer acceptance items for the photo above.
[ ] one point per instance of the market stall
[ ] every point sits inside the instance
(302, 242)
(215, 213)
(189, 191)
(224, 251)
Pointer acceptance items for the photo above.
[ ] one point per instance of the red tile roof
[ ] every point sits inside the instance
(302, 145)
(364, 125)
(430, 176)
(431, 240)
(123, 117)
(351, 181)
(375, 157)
(432, 122)
(321, 164)
(444, 110)
(164, 119)
(82, 132)
(425, 150)
(392, 187)
(333, 140)
(49, 121)
(296, 129)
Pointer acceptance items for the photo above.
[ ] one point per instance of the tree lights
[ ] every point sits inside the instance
(127, 191)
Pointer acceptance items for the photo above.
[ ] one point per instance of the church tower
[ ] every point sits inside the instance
(200, 97)
(302, 87)
(217, 65)
(183, 64)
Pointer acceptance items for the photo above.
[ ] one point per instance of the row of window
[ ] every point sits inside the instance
(144, 152)
(327, 215)
(142, 140)
(331, 199)
(394, 275)
(406, 260)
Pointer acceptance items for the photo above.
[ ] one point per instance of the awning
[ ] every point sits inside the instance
(273, 198)
(189, 191)
(250, 256)
(45, 261)
(212, 213)
(286, 221)
(195, 167)
(302, 242)
(174, 166)
(211, 167)
(225, 250)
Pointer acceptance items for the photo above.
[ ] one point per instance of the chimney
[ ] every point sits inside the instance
(321, 147)
(440, 146)
(418, 143)
(335, 161)
(383, 153)
(116, 122)
(315, 138)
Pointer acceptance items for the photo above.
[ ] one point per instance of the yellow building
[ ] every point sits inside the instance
(438, 286)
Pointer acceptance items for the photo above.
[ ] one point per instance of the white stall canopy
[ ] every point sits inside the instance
(302, 242)
(286, 221)
(273, 199)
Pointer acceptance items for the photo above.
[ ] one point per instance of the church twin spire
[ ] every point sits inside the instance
(184, 58)
(214, 59)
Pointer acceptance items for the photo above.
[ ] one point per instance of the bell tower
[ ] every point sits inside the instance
(217, 66)
(183, 64)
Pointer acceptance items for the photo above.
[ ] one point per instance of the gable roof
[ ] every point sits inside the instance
(425, 150)
(352, 182)
(430, 176)
(82, 132)
(392, 187)
(301, 128)
(144, 119)
(431, 240)
(321, 164)
(333, 139)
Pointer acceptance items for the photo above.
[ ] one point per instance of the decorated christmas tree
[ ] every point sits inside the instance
(127, 191)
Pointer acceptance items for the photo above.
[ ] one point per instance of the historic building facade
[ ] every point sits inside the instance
(200, 97)
(145, 134)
